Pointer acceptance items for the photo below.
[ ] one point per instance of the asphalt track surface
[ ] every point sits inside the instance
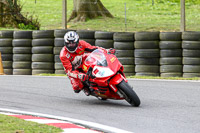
(166, 106)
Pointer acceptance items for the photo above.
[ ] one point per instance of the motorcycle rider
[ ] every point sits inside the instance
(72, 56)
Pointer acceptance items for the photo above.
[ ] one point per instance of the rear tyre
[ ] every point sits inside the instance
(129, 94)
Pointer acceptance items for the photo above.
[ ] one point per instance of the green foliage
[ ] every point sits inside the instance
(13, 16)
(27, 27)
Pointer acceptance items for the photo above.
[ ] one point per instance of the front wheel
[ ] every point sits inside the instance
(129, 94)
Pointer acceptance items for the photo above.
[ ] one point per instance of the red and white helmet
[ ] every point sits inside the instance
(71, 40)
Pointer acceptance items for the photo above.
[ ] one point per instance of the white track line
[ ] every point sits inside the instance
(79, 131)
(44, 121)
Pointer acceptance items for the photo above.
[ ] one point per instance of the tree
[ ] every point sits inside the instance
(11, 16)
(84, 9)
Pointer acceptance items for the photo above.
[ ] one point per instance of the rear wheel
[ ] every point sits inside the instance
(129, 94)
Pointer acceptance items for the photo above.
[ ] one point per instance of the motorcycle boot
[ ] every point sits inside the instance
(89, 91)
(86, 91)
(77, 91)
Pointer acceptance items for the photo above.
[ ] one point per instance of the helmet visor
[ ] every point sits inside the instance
(71, 45)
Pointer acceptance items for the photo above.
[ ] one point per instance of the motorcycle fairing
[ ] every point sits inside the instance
(114, 63)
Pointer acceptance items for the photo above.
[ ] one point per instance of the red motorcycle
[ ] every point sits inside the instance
(106, 78)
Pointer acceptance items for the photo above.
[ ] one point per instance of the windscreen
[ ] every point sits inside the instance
(97, 57)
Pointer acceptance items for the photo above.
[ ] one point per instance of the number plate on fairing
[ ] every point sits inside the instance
(101, 72)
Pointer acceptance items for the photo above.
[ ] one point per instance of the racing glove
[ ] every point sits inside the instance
(111, 51)
(83, 77)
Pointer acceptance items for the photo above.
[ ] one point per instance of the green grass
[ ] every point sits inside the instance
(9, 124)
(135, 77)
(167, 78)
(141, 15)
(48, 74)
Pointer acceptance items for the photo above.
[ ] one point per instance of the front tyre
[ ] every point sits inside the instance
(128, 93)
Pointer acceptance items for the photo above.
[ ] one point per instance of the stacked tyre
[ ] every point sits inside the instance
(58, 45)
(147, 53)
(6, 48)
(42, 52)
(124, 45)
(87, 36)
(170, 54)
(191, 54)
(22, 45)
(104, 39)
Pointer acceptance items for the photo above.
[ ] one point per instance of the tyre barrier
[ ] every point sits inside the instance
(147, 53)
(147, 36)
(42, 52)
(104, 39)
(58, 45)
(60, 33)
(170, 54)
(22, 46)
(87, 36)
(6, 50)
(124, 45)
(191, 54)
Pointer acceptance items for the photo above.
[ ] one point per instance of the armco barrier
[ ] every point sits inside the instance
(165, 54)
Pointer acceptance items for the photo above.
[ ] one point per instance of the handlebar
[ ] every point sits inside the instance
(89, 73)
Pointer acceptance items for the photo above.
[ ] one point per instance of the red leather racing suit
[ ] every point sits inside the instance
(73, 61)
